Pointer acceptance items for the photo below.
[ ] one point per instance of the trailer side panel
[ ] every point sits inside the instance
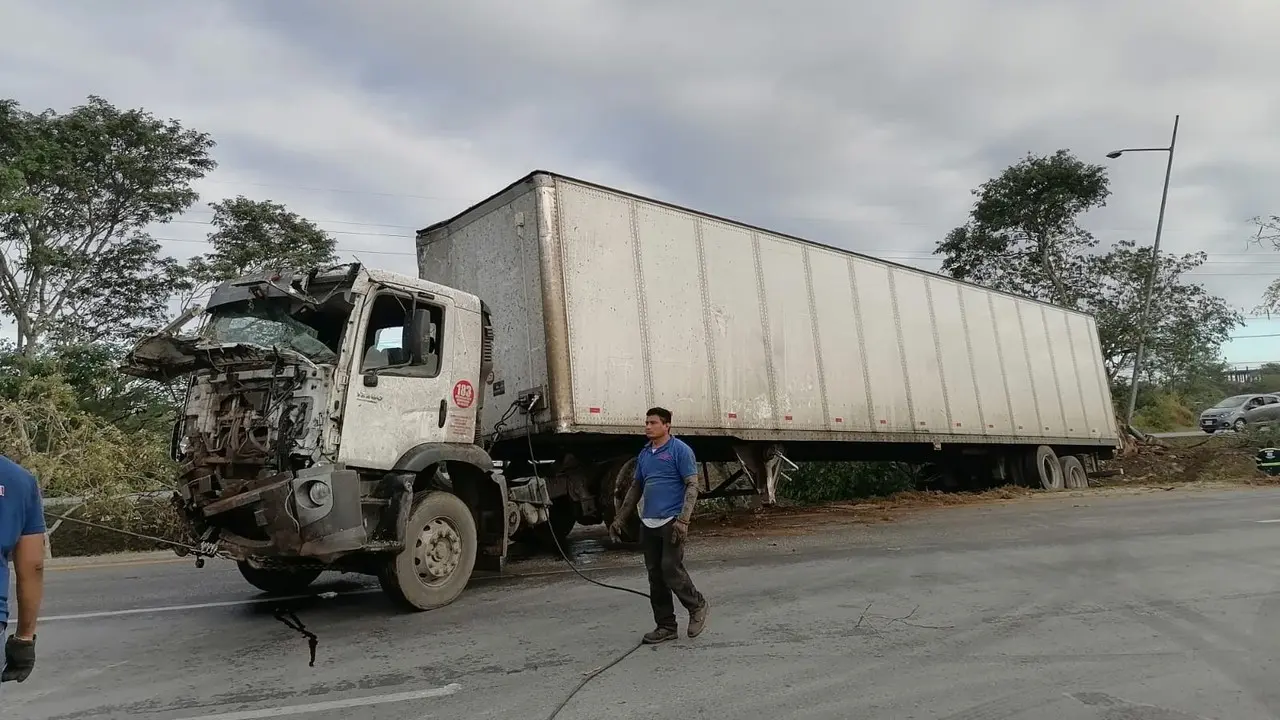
(737, 329)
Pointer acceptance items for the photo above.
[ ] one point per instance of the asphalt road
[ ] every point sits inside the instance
(1159, 607)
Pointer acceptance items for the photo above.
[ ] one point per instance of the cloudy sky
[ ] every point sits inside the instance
(859, 124)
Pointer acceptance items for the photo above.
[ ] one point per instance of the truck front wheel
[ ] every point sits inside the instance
(277, 582)
(439, 554)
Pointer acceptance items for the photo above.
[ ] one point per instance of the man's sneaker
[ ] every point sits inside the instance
(660, 635)
(698, 619)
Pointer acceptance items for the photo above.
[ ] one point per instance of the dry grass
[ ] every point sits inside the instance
(1212, 463)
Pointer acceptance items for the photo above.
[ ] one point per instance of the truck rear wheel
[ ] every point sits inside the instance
(555, 532)
(439, 555)
(277, 581)
(614, 489)
(1044, 468)
(1073, 474)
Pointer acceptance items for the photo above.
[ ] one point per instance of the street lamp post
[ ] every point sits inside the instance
(1145, 328)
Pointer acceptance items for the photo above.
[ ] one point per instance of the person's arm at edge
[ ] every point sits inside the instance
(689, 471)
(28, 569)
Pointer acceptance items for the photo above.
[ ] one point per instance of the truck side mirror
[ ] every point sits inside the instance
(417, 335)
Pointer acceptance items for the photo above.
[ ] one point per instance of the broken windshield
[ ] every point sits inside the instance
(267, 325)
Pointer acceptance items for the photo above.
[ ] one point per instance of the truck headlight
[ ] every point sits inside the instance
(319, 493)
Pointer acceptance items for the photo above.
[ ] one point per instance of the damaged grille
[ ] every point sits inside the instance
(241, 429)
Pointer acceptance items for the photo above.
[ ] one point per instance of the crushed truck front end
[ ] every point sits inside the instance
(257, 434)
(330, 423)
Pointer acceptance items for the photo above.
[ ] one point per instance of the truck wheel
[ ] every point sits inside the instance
(1073, 474)
(1045, 468)
(439, 554)
(615, 486)
(557, 529)
(277, 582)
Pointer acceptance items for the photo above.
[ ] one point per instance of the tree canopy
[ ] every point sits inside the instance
(81, 277)
(78, 191)
(254, 236)
(1023, 235)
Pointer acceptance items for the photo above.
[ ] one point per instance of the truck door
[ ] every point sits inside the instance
(398, 396)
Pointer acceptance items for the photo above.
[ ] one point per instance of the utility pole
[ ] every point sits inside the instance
(1145, 326)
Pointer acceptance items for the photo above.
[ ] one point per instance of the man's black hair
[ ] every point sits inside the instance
(662, 414)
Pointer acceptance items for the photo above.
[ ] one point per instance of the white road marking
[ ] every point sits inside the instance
(195, 606)
(333, 704)
(323, 596)
(1268, 521)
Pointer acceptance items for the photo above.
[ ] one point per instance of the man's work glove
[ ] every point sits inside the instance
(679, 531)
(19, 659)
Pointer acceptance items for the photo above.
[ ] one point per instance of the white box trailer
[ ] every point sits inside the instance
(605, 303)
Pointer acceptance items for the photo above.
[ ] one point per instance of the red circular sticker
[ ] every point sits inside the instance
(464, 394)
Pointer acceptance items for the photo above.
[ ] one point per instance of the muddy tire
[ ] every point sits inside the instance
(554, 534)
(277, 582)
(616, 483)
(439, 555)
(1073, 475)
(1044, 469)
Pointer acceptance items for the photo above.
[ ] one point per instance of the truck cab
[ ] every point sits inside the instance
(330, 423)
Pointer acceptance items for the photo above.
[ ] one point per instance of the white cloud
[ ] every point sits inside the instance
(862, 125)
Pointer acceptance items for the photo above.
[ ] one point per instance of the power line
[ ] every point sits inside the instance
(338, 190)
(197, 241)
(332, 232)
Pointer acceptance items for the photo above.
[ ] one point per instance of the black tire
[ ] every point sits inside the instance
(1073, 475)
(1044, 469)
(1238, 425)
(439, 555)
(277, 582)
(554, 533)
(618, 484)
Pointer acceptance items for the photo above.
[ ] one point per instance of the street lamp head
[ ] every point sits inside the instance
(1115, 154)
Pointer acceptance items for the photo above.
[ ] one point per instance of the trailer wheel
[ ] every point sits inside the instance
(617, 482)
(1073, 474)
(439, 554)
(1045, 468)
(277, 581)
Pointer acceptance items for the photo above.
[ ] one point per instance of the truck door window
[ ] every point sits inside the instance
(385, 346)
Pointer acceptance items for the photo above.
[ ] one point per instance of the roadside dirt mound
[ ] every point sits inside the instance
(1211, 460)
(784, 519)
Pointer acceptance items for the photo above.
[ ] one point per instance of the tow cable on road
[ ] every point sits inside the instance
(283, 613)
(565, 556)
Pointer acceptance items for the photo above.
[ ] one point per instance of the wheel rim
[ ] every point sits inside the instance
(437, 552)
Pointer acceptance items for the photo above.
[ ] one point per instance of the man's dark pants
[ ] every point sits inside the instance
(664, 560)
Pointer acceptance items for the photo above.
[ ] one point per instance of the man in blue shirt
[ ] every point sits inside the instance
(22, 534)
(667, 480)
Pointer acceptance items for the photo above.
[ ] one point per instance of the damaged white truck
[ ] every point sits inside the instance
(411, 428)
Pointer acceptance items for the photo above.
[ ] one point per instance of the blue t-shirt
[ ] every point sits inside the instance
(661, 473)
(21, 513)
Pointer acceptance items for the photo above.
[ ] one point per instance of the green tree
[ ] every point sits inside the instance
(79, 189)
(1022, 234)
(1188, 324)
(90, 374)
(251, 236)
(1268, 233)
